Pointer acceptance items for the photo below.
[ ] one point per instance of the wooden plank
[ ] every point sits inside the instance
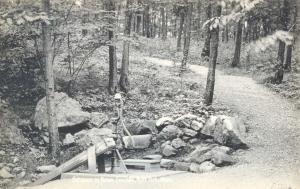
(106, 145)
(92, 159)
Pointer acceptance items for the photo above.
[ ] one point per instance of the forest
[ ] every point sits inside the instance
(206, 91)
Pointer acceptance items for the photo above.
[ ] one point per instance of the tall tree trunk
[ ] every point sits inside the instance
(288, 57)
(206, 48)
(112, 83)
(51, 116)
(147, 21)
(138, 23)
(199, 5)
(163, 23)
(124, 80)
(179, 35)
(226, 29)
(226, 33)
(214, 44)
(187, 36)
(175, 27)
(283, 20)
(238, 45)
(296, 34)
(154, 27)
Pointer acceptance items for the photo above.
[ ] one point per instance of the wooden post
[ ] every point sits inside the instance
(92, 159)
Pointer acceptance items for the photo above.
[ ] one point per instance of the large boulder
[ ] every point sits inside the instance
(169, 132)
(228, 131)
(85, 138)
(68, 112)
(218, 157)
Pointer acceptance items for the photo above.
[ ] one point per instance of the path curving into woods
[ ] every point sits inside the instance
(272, 162)
(274, 122)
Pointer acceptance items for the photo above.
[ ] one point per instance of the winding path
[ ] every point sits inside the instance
(274, 136)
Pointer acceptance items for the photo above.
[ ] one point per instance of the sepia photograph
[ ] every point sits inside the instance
(149, 94)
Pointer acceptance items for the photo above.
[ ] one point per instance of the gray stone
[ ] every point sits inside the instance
(17, 170)
(226, 130)
(167, 163)
(189, 132)
(194, 167)
(85, 138)
(197, 126)
(194, 140)
(45, 139)
(4, 174)
(186, 138)
(198, 155)
(206, 167)
(4, 182)
(178, 143)
(69, 139)
(2, 152)
(165, 143)
(168, 151)
(98, 119)
(221, 158)
(137, 141)
(8, 167)
(24, 182)
(164, 121)
(169, 132)
(68, 112)
(224, 149)
(21, 175)
(149, 127)
(182, 166)
(186, 117)
(218, 157)
(16, 160)
(45, 168)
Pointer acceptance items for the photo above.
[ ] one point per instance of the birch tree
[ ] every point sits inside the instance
(47, 52)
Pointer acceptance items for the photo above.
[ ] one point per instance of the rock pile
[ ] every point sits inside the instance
(217, 137)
